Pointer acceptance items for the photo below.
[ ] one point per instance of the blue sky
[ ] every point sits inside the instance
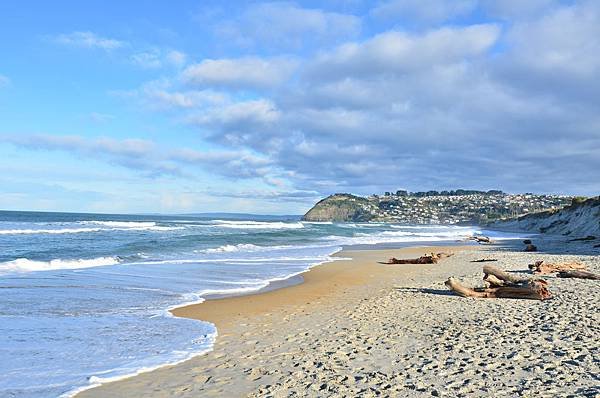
(267, 106)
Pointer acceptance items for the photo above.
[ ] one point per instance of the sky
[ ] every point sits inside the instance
(265, 107)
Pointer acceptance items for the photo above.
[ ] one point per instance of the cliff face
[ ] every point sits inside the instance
(340, 207)
(580, 219)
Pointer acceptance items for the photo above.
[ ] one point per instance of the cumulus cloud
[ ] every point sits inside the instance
(287, 25)
(88, 40)
(423, 11)
(163, 95)
(517, 9)
(488, 105)
(564, 43)
(249, 72)
(397, 52)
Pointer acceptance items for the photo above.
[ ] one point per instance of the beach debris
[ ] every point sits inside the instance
(536, 290)
(531, 248)
(542, 267)
(578, 274)
(432, 258)
(483, 260)
(480, 239)
(500, 284)
(589, 237)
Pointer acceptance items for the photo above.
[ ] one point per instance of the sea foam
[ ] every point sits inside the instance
(26, 265)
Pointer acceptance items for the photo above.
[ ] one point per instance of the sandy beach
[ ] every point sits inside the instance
(359, 328)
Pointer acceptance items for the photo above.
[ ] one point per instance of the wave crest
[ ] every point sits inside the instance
(27, 265)
(258, 224)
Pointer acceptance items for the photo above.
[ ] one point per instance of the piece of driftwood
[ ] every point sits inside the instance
(432, 258)
(531, 248)
(578, 274)
(480, 239)
(493, 281)
(534, 290)
(484, 260)
(589, 237)
(503, 275)
(542, 267)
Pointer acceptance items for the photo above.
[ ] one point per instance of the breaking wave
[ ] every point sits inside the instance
(257, 224)
(26, 265)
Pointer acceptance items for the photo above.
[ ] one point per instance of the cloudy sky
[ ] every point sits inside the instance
(196, 106)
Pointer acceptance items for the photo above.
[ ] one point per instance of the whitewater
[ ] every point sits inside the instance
(85, 298)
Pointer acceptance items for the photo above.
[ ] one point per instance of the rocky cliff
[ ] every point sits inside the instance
(340, 207)
(580, 219)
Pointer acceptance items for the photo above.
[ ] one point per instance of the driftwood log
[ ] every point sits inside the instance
(578, 274)
(432, 258)
(542, 267)
(480, 239)
(484, 260)
(500, 284)
(535, 290)
(503, 275)
(589, 237)
(531, 248)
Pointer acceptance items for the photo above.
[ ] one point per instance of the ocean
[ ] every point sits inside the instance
(85, 298)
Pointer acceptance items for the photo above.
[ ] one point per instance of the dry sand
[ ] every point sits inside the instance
(358, 328)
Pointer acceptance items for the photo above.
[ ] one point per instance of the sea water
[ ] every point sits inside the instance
(85, 298)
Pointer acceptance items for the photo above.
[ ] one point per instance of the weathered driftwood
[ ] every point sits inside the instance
(542, 267)
(484, 260)
(530, 248)
(578, 274)
(534, 290)
(503, 275)
(480, 239)
(493, 281)
(432, 258)
(589, 237)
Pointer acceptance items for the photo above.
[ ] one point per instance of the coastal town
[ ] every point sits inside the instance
(433, 207)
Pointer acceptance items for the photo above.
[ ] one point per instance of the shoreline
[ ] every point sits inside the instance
(223, 311)
(313, 284)
(358, 328)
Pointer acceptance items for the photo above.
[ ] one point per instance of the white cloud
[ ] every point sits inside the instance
(161, 95)
(176, 58)
(518, 9)
(156, 58)
(418, 110)
(98, 117)
(250, 72)
(4, 81)
(287, 25)
(427, 11)
(148, 157)
(397, 52)
(88, 40)
(239, 116)
(566, 41)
